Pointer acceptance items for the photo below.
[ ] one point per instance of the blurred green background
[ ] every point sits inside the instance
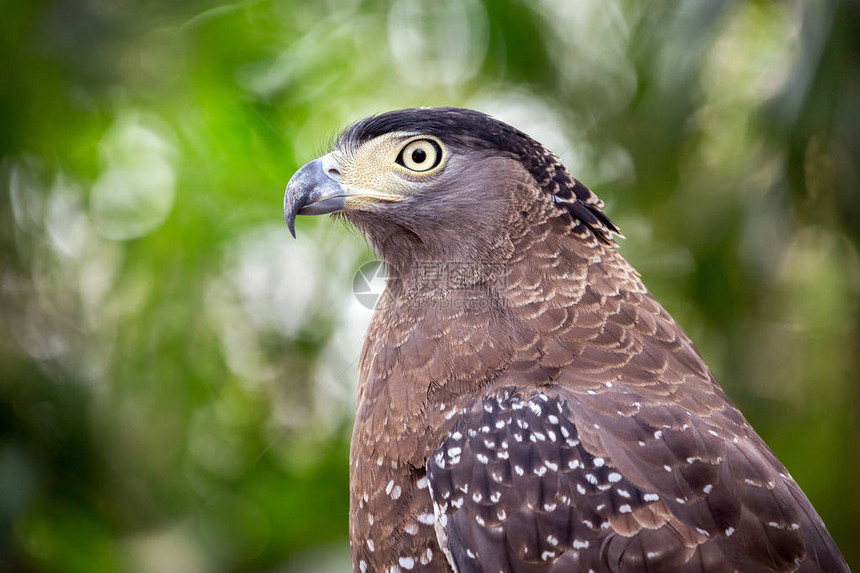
(177, 375)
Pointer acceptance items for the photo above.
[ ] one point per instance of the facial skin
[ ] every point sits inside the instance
(388, 168)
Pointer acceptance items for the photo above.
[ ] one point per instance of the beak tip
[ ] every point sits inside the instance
(291, 222)
(290, 211)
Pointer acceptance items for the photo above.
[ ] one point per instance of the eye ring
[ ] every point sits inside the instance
(420, 155)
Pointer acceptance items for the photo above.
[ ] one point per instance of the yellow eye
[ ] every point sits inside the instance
(420, 155)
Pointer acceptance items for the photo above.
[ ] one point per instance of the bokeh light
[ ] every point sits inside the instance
(178, 375)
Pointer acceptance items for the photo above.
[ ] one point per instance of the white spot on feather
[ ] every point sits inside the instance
(426, 557)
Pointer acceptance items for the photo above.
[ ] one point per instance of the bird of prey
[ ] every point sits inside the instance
(525, 404)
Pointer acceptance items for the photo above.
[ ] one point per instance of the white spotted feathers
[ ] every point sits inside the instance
(525, 465)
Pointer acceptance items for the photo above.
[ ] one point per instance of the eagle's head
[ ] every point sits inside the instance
(441, 184)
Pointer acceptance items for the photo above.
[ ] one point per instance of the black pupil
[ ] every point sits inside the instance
(419, 155)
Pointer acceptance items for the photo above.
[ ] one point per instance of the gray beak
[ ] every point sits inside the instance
(313, 190)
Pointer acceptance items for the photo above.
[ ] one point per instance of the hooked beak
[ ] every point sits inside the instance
(313, 190)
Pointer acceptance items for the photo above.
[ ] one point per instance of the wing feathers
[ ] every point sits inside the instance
(519, 490)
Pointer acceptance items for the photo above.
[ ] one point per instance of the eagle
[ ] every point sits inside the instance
(525, 404)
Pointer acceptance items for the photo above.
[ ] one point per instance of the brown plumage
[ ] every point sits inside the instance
(525, 404)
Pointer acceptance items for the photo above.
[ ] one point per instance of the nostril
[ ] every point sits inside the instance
(330, 167)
